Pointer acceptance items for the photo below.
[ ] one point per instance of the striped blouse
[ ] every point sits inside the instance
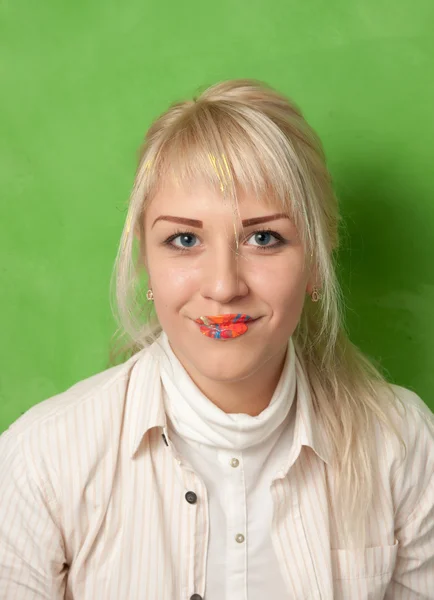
(94, 503)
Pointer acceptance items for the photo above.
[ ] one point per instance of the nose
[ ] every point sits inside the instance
(222, 277)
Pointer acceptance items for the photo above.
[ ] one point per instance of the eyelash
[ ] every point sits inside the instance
(280, 240)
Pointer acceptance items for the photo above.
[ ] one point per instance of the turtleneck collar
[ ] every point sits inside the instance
(196, 418)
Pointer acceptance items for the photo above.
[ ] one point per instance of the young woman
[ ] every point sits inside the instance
(245, 448)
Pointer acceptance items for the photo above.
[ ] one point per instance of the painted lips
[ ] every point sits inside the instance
(224, 326)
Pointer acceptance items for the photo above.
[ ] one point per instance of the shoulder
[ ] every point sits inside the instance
(410, 454)
(69, 416)
(410, 400)
(413, 418)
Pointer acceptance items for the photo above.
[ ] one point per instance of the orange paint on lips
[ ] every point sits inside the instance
(224, 326)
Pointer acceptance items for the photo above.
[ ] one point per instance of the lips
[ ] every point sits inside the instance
(224, 326)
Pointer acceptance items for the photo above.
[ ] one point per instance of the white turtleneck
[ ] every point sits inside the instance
(237, 456)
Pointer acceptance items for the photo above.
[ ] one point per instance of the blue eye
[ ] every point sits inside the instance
(187, 240)
(262, 238)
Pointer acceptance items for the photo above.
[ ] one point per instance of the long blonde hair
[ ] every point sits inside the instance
(244, 133)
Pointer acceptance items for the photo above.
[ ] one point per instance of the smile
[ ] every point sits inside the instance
(223, 327)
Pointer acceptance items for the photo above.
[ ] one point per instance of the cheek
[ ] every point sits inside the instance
(173, 284)
(284, 291)
(287, 305)
(282, 283)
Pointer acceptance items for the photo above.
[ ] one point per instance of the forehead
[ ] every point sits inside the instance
(200, 199)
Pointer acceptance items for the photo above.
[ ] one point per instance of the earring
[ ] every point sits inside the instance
(316, 295)
(150, 295)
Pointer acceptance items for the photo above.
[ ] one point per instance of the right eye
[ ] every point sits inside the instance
(185, 240)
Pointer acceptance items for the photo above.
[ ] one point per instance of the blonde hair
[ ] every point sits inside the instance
(244, 133)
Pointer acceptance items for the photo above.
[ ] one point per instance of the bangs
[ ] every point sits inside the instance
(231, 149)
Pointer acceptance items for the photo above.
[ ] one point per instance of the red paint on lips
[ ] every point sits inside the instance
(224, 326)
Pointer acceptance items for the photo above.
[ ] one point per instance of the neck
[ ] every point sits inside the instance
(249, 396)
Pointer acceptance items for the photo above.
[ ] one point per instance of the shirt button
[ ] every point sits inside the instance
(235, 462)
(196, 597)
(191, 498)
(239, 538)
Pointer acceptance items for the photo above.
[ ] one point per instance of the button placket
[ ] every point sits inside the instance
(236, 517)
(196, 514)
(198, 517)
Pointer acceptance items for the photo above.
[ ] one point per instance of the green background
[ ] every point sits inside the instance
(80, 83)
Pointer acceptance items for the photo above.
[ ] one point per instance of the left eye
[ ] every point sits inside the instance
(263, 238)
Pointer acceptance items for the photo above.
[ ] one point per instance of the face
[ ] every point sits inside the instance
(196, 269)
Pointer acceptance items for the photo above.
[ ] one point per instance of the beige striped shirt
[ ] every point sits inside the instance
(93, 506)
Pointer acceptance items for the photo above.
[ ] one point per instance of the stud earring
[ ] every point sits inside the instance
(150, 295)
(316, 295)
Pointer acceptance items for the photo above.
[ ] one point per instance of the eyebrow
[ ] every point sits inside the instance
(199, 224)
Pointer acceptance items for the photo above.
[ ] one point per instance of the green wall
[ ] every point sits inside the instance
(80, 84)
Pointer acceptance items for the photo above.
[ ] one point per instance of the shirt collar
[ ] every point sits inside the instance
(144, 401)
(309, 430)
(145, 406)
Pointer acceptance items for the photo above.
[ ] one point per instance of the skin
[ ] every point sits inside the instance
(209, 277)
